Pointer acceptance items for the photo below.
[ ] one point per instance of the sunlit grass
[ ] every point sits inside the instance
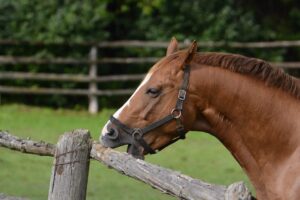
(200, 156)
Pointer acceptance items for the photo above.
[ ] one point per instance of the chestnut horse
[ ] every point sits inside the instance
(251, 107)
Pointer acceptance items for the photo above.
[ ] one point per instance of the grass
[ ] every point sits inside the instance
(200, 156)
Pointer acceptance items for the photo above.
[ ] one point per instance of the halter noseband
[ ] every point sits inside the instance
(136, 134)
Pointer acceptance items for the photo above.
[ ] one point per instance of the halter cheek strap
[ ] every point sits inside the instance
(136, 134)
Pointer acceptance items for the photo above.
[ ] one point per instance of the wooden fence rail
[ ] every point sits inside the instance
(53, 91)
(72, 152)
(68, 77)
(160, 44)
(73, 61)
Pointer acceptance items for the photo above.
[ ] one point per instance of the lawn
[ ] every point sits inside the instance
(200, 156)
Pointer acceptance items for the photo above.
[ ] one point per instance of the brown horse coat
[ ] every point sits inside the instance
(251, 107)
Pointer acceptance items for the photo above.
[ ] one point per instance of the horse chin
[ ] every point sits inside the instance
(136, 152)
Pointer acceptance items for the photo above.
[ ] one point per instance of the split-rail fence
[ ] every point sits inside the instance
(94, 61)
(70, 169)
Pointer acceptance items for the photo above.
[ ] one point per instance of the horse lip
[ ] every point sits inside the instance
(107, 142)
(136, 152)
(103, 142)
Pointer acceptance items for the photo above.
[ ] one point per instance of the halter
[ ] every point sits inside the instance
(136, 134)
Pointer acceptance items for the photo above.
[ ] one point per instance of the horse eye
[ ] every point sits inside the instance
(153, 92)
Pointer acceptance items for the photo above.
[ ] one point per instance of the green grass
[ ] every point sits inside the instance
(200, 156)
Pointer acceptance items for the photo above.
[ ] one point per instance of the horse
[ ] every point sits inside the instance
(252, 107)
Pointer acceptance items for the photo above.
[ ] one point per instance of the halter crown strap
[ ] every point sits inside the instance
(138, 133)
(183, 89)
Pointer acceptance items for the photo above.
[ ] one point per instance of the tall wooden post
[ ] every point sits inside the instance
(93, 101)
(71, 167)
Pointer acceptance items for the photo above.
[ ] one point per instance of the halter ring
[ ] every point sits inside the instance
(176, 113)
(137, 134)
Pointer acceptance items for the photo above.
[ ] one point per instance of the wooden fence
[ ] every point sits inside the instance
(94, 62)
(71, 165)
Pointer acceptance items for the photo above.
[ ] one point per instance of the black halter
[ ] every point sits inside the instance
(136, 134)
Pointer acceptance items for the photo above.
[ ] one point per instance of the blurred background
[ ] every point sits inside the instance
(56, 37)
(61, 60)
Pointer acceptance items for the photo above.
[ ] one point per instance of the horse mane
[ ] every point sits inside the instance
(256, 68)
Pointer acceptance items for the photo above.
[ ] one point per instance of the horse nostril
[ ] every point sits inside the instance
(113, 134)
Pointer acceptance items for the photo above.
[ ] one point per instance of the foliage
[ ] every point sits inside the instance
(53, 21)
(96, 20)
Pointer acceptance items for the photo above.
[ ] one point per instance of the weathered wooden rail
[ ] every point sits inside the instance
(160, 44)
(71, 164)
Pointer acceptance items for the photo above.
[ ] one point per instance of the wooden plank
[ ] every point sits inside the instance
(133, 43)
(68, 77)
(160, 44)
(59, 91)
(43, 43)
(41, 61)
(26, 145)
(72, 61)
(71, 166)
(265, 44)
(166, 180)
(209, 44)
(129, 60)
(287, 65)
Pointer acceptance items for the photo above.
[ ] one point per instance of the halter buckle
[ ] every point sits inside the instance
(137, 134)
(181, 94)
(176, 113)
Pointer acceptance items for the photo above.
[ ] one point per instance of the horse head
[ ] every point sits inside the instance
(159, 112)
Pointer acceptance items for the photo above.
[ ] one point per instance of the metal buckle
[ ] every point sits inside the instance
(181, 94)
(176, 113)
(137, 134)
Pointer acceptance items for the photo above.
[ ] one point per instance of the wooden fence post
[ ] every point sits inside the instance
(93, 100)
(71, 166)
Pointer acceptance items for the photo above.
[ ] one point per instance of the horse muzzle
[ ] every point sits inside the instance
(113, 137)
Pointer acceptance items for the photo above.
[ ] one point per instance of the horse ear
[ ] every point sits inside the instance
(190, 52)
(173, 46)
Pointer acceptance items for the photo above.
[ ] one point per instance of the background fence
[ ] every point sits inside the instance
(94, 62)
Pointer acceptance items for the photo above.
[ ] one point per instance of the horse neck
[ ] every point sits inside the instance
(257, 124)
